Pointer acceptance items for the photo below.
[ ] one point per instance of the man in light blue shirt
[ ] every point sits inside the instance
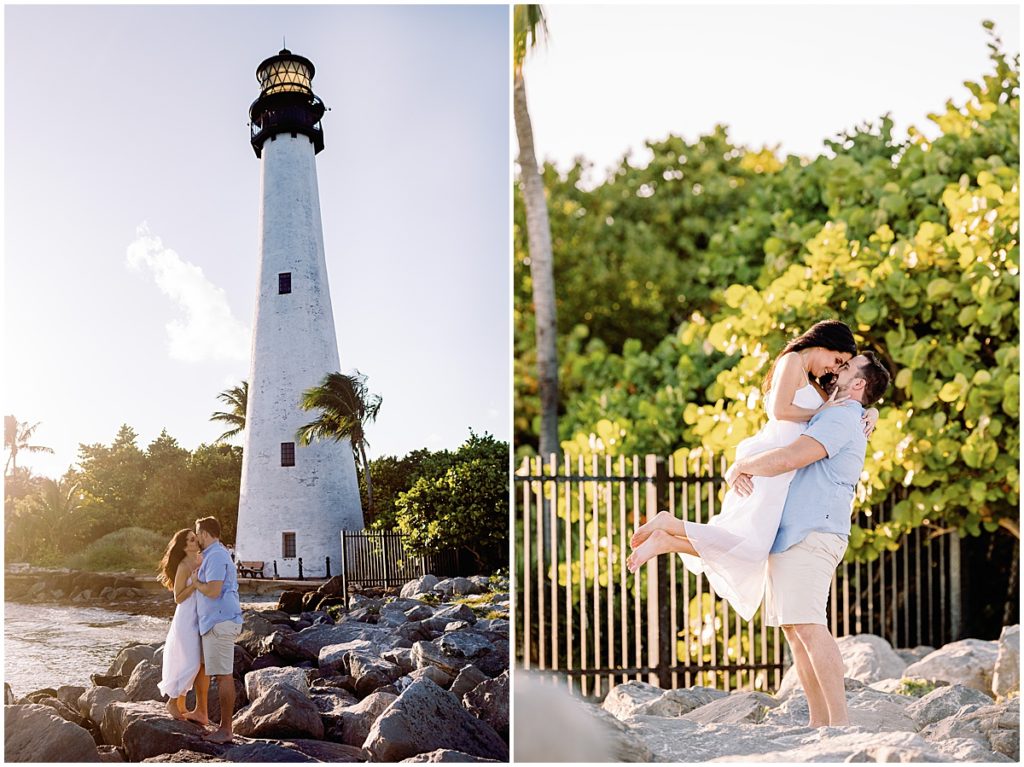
(812, 536)
(220, 622)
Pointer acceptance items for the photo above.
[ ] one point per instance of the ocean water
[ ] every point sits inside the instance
(51, 645)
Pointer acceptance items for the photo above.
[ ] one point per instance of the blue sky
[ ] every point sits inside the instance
(611, 77)
(131, 196)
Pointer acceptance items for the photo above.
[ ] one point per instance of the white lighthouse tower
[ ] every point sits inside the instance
(294, 500)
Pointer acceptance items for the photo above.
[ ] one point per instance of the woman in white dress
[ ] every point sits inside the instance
(182, 648)
(732, 548)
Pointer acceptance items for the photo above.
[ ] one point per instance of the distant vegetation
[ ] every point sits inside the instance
(132, 548)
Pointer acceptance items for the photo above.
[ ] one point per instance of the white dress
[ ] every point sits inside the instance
(734, 545)
(181, 651)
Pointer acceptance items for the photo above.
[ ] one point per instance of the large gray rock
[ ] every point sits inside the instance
(465, 644)
(144, 730)
(260, 682)
(266, 751)
(35, 733)
(969, 662)
(421, 585)
(281, 711)
(315, 638)
(94, 701)
(967, 750)
(640, 698)
(426, 717)
(867, 708)
(911, 655)
(457, 587)
(69, 694)
(944, 702)
(371, 673)
(738, 708)
(1006, 675)
(433, 673)
(835, 744)
(126, 660)
(430, 654)
(333, 658)
(672, 739)
(357, 720)
(144, 682)
(488, 702)
(255, 630)
(183, 756)
(997, 727)
(445, 755)
(401, 657)
(283, 645)
(468, 678)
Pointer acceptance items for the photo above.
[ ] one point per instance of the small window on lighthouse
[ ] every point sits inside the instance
(284, 282)
(288, 545)
(287, 453)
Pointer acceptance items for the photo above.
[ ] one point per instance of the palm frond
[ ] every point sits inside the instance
(530, 30)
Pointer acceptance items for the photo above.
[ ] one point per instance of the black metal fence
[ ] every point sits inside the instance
(581, 616)
(375, 558)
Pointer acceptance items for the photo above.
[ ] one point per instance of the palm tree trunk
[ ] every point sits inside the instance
(538, 231)
(366, 473)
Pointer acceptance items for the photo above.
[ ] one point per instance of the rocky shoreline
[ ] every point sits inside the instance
(417, 676)
(958, 703)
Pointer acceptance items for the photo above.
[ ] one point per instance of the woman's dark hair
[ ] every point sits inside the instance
(172, 558)
(828, 334)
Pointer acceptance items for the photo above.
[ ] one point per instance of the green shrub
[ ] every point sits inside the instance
(131, 548)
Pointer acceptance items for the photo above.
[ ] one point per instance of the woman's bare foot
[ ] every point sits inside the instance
(663, 520)
(195, 716)
(172, 709)
(658, 542)
(219, 736)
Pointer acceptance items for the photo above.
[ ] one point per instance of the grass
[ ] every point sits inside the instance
(132, 548)
(916, 688)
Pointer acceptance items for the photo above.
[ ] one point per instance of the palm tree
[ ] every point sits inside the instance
(236, 398)
(346, 406)
(17, 437)
(530, 27)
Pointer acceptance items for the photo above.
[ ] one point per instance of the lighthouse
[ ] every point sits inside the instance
(294, 500)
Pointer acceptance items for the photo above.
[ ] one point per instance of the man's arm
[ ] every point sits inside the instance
(803, 452)
(211, 589)
(215, 566)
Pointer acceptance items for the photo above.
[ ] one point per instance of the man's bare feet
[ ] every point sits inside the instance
(219, 736)
(661, 521)
(172, 709)
(658, 542)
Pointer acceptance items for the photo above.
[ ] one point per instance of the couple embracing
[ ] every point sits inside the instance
(198, 569)
(785, 520)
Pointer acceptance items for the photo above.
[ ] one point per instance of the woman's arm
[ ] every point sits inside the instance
(788, 379)
(182, 589)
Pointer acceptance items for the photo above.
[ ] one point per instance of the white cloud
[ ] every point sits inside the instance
(207, 330)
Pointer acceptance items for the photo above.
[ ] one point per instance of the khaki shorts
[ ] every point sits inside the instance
(219, 647)
(799, 580)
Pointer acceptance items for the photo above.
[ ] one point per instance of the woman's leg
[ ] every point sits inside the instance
(663, 520)
(659, 542)
(202, 687)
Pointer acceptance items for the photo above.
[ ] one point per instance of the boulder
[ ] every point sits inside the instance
(315, 638)
(69, 694)
(281, 711)
(129, 657)
(333, 659)
(260, 682)
(426, 717)
(996, 726)
(1006, 675)
(267, 660)
(445, 615)
(144, 682)
(65, 711)
(944, 702)
(284, 646)
(967, 750)
(8, 695)
(144, 730)
(433, 673)
(357, 601)
(110, 753)
(868, 708)
(465, 644)
(184, 756)
(969, 662)
(493, 663)
(430, 654)
(640, 698)
(36, 733)
(401, 657)
(265, 751)
(324, 751)
(457, 587)
(419, 612)
(421, 585)
(735, 709)
(445, 755)
(468, 678)
(834, 744)
(488, 702)
(370, 672)
(108, 680)
(357, 720)
(94, 701)
(913, 654)
(290, 601)
(255, 629)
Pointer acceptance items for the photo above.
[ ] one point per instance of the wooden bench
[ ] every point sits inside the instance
(250, 569)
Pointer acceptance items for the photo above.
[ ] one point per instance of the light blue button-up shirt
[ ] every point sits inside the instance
(217, 566)
(821, 494)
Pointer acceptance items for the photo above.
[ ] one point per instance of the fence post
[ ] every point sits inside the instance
(344, 571)
(300, 568)
(956, 614)
(275, 570)
(659, 648)
(328, 567)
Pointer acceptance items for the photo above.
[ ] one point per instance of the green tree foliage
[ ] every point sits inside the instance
(460, 501)
(679, 281)
(391, 477)
(118, 486)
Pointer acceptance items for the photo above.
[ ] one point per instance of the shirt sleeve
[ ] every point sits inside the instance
(834, 428)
